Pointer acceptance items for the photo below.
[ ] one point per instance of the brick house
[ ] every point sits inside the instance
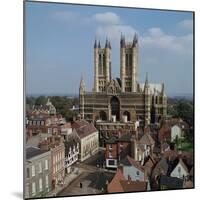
(117, 148)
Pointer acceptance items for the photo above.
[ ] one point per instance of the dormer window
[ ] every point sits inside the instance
(179, 169)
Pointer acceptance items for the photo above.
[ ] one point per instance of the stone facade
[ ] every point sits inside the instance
(88, 138)
(38, 172)
(124, 98)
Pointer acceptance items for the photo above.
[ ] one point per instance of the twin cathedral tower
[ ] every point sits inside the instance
(128, 65)
(121, 99)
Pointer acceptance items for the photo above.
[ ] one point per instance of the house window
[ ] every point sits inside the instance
(33, 170)
(47, 181)
(27, 191)
(110, 155)
(179, 169)
(111, 162)
(40, 167)
(110, 146)
(138, 173)
(33, 189)
(46, 164)
(27, 173)
(40, 184)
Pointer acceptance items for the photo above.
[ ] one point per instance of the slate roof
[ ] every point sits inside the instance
(147, 139)
(33, 151)
(99, 180)
(160, 168)
(125, 137)
(111, 140)
(171, 182)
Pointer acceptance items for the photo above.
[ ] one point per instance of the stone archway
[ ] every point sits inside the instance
(115, 107)
(126, 113)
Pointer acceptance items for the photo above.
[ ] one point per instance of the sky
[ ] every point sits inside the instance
(60, 38)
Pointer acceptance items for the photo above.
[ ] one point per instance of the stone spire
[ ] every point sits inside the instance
(107, 43)
(146, 80)
(82, 86)
(99, 45)
(95, 44)
(135, 40)
(122, 41)
(163, 89)
(146, 85)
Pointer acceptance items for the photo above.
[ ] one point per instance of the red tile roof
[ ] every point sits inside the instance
(133, 186)
(115, 185)
(120, 184)
(83, 128)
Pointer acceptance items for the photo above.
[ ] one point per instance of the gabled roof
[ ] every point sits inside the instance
(170, 154)
(120, 184)
(171, 182)
(33, 151)
(147, 139)
(133, 186)
(114, 185)
(99, 180)
(150, 162)
(79, 123)
(160, 168)
(180, 161)
(84, 129)
(128, 161)
(192, 171)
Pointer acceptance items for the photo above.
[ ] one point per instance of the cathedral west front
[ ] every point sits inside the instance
(124, 99)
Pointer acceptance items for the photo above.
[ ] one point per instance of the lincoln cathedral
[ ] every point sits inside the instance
(122, 99)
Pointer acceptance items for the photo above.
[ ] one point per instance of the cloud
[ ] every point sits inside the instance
(156, 38)
(186, 24)
(155, 32)
(107, 18)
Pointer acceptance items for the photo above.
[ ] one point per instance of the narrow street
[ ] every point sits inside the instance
(74, 187)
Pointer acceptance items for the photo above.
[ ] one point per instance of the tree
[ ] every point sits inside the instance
(41, 100)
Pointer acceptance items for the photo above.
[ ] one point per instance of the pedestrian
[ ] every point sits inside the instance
(81, 185)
